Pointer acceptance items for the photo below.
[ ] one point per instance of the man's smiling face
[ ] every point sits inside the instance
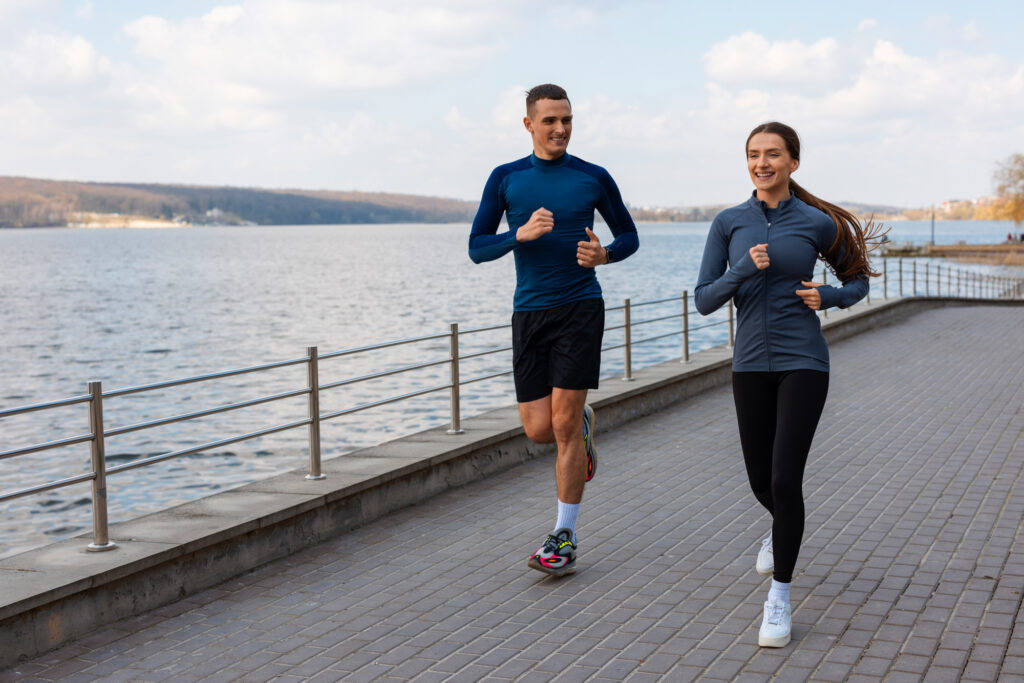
(550, 126)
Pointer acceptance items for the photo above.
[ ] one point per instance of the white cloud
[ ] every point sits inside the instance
(310, 45)
(941, 118)
(971, 32)
(752, 58)
(256, 64)
(454, 119)
(42, 60)
(944, 30)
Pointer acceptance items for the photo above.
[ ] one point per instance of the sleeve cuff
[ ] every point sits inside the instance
(745, 268)
(829, 296)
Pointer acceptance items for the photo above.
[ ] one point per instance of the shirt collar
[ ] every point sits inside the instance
(763, 206)
(549, 163)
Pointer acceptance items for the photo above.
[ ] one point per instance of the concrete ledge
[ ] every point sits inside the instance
(61, 592)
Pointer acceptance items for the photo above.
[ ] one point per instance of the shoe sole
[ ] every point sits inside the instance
(561, 571)
(764, 573)
(765, 641)
(592, 451)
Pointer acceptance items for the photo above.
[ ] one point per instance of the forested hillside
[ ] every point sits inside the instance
(27, 202)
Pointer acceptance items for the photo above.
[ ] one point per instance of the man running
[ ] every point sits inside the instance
(549, 199)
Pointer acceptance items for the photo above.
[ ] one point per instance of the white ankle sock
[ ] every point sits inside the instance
(567, 513)
(779, 592)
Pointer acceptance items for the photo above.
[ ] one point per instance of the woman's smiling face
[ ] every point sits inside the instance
(770, 165)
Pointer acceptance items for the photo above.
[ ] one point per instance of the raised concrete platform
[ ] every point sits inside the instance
(61, 592)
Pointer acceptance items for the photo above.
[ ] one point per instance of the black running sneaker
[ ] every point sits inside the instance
(557, 556)
(588, 441)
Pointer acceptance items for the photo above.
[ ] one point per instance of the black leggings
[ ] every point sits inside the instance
(777, 414)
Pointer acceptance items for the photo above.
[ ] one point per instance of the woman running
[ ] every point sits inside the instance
(771, 243)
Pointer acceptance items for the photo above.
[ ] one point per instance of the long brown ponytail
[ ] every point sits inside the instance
(852, 242)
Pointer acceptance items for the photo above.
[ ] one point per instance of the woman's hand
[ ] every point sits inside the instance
(759, 255)
(811, 296)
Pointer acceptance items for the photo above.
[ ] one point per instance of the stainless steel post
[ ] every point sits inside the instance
(732, 336)
(824, 281)
(453, 345)
(914, 280)
(101, 540)
(899, 263)
(686, 327)
(885, 278)
(313, 383)
(628, 370)
(927, 290)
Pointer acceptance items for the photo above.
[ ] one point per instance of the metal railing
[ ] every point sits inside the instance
(964, 284)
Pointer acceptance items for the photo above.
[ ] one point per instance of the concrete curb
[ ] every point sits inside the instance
(60, 592)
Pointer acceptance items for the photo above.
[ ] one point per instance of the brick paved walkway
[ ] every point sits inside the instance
(912, 566)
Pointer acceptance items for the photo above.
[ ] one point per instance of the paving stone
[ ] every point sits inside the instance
(911, 568)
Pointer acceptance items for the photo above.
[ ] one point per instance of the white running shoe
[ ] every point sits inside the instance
(775, 625)
(765, 565)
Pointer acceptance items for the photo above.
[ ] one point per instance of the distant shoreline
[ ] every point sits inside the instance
(99, 220)
(137, 222)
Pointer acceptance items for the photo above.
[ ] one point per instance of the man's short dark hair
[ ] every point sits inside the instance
(547, 91)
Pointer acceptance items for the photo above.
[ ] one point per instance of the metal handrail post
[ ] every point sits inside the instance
(913, 280)
(313, 383)
(927, 288)
(101, 540)
(959, 282)
(628, 370)
(885, 278)
(824, 281)
(732, 336)
(453, 344)
(686, 326)
(899, 263)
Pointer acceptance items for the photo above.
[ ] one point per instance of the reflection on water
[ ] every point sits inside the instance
(132, 307)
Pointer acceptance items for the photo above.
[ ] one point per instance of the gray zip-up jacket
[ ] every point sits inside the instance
(776, 329)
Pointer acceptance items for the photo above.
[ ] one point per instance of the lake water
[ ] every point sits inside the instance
(131, 307)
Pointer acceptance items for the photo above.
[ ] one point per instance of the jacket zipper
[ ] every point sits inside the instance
(764, 317)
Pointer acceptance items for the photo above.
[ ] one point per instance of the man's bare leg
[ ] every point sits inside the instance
(558, 418)
(567, 425)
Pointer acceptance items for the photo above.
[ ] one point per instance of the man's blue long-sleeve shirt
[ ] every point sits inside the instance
(547, 274)
(777, 331)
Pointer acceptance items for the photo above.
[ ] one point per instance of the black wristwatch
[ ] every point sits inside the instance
(608, 254)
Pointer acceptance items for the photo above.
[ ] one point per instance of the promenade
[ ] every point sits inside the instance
(912, 566)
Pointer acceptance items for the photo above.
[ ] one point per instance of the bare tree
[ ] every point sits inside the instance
(1009, 178)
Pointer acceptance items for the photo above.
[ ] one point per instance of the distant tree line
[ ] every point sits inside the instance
(26, 202)
(677, 215)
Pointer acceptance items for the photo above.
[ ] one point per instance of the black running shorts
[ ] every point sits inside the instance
(558, 347)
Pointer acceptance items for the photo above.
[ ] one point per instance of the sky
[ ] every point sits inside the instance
(899, 103)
